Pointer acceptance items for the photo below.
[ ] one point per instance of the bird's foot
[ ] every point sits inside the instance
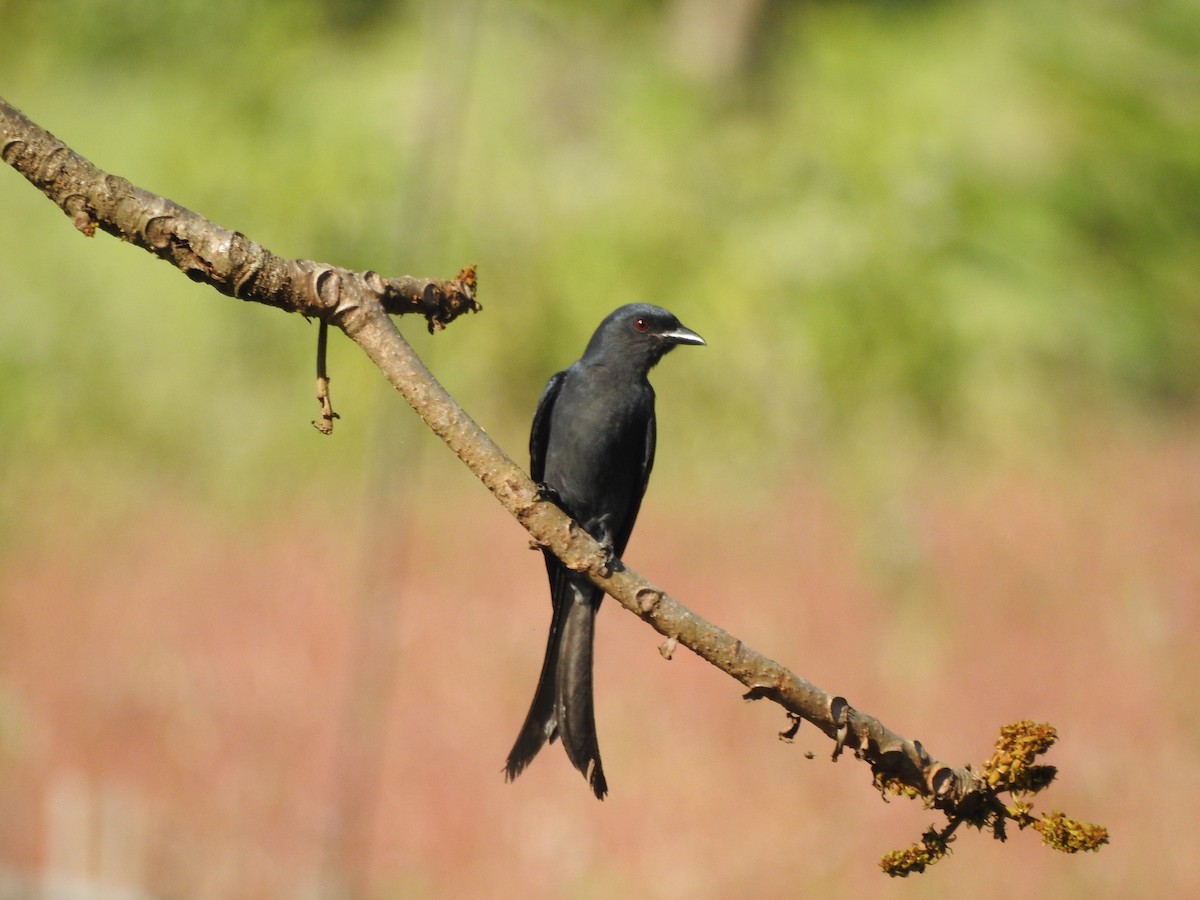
(610, 561)
(549, 494)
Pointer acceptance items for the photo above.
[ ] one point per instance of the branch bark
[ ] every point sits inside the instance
(202, 250)
(359, 304)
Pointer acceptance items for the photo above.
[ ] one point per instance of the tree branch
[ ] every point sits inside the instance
(325, 423)
(359, 304)
(227, 260)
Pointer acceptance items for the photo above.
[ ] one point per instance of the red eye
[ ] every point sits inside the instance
(641, 324)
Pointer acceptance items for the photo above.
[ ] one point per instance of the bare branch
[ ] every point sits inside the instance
(359, 304)
(204, 251)
(325, 423)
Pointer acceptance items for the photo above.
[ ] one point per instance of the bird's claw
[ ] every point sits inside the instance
(549, 494)
(610, 559)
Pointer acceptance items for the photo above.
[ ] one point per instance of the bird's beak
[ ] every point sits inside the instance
(681, 335)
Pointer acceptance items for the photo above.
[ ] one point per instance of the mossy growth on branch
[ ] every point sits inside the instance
(1012, 769)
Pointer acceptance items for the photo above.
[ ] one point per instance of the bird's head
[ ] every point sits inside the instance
(639, 333)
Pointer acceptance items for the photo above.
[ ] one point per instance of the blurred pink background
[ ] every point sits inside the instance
(319, 704)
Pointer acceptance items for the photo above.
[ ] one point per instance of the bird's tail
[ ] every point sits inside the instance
(540, 722)
(575, 709)
(562, 704)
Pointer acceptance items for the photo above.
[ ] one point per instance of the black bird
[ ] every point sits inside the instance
(591, 449)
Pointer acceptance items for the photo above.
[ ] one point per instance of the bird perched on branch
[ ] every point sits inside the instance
(591, 449)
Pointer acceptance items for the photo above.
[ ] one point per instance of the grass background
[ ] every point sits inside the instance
(940, 454)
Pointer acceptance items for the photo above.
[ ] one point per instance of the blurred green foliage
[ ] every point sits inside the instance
(897, 224)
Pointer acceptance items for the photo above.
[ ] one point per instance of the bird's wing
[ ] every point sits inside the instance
(648, 455)
(539, 434)
(623, 523)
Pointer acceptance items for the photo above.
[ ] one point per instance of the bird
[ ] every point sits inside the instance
(591, 448)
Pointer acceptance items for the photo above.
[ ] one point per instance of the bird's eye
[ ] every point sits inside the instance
(641, 324)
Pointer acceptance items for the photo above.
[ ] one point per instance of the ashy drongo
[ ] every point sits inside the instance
(591, 450)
